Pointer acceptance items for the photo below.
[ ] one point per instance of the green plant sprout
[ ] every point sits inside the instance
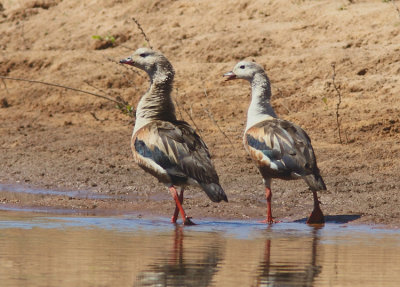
(110, 39)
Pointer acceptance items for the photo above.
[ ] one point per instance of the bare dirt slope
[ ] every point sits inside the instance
(64, 140)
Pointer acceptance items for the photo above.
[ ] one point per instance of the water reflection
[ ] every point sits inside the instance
(293, 272)
(45, 250)
(178, 268)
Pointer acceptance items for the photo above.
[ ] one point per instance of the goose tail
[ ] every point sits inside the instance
(214, 192)
(315, 182)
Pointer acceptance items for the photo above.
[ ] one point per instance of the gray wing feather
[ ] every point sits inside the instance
(192, 156)
(288, 147)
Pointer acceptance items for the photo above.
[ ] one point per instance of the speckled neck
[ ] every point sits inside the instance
(260, 108)
(156, 103)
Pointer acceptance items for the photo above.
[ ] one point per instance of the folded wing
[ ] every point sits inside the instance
(174, 153)
(281, 148)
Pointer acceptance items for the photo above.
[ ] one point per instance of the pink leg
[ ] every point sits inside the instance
(176, 213)
(316, 217)
(186, 220)
(268, 194)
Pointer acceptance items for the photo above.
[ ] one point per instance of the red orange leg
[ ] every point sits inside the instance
(269, 219)
(186, 220)
(176, 212)
(316, 217)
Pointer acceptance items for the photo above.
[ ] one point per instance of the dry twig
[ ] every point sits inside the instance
(194, 123)
(95, 117)
(396, 7)
(282, 104)
(126, 47)
(127, 68)
(339, 94)
(120, 103)
(210, 115)
(142, 31)
(177, 103)
(124, 107)
(187, 113)
(98, 89)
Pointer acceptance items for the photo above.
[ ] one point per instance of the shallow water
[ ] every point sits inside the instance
(52, 250)
(19, 190)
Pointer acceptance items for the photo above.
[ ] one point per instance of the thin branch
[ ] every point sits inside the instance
(338, 121)
(126, 108)
(64, 87)
(95, 117)
(396, 7)
(191, 109)
(126, 47)
(213, 120)
(177, 103)
(23, 34)
(142, 31)
(121, 104)
(188, 114)
(102, 91)
(194, 123)
(282, 104)
(127, 68)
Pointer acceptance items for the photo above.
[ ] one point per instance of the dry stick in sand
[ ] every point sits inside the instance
(100, 90)
(214, 121)
(119, 103)
(187, 113)
(177, 103)
(126, 47)
(95, 117)
(127, 68)
(142, 31)
(339, 94)
(282, 104)
(397, 8)
(125, 107)
(194, 123)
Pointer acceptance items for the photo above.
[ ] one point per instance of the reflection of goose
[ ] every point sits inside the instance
(279, 148)
(169, 149)
(177, 271)
(293, 274)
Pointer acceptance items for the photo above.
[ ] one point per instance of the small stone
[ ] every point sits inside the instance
(362, 72)
(4, 103)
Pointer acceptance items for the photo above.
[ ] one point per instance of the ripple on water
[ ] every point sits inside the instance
(53, 250)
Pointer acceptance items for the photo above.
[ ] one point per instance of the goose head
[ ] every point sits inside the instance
(244, 70)
(152, 62)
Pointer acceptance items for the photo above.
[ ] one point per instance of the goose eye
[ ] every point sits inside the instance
(143, 55)
(241, 67)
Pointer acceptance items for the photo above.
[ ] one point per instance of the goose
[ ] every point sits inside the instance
(163, 146)
(279, 148)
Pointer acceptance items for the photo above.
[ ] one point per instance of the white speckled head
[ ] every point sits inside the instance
(149, 61)
(244, 70)
(260, 108)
